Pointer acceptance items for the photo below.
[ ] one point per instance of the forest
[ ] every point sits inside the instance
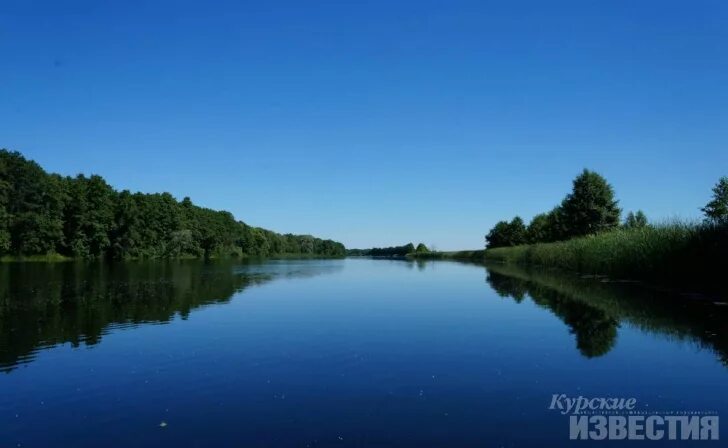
(49, 215)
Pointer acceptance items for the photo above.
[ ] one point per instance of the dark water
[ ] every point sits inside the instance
(350, 352)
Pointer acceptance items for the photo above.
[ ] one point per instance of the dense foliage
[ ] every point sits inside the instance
(583, 235)
(394, 251)
(422, 249)
(635, 220)
(590, 208)
(84, 217)
(680, 254)
(507, 233)
(716, 211)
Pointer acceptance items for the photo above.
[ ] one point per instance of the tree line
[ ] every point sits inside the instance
(589, 209)
(84, 217)
(393, 251)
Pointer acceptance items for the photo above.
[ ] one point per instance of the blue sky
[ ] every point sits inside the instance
(378, 122)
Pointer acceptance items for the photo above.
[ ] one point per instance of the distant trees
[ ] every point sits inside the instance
(392, 251)
(716, 211)
(635, 220)
(84, 217)
(507, 233)
(589, 208)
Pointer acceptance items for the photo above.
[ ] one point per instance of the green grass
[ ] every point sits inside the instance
(676, 253)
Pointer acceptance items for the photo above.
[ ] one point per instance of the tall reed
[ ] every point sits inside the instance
(675, 253)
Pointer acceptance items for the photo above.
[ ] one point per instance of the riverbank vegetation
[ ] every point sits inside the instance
(680, 254)
(48, 216)
(394, 251)
(584, 234)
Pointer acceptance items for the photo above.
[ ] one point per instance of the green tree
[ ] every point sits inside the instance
(393, 251)
(4, 231)
(85, 217)
(506, 233)
(100, 198)
(635, 220)
(538, 229)
(88, 216)
(5, 217)
(34, 206)
(590, 207)
(75, 219)
(422, 249)
(517, 231)
(124, 236)
(557, 227)
(716, 211)
(497, 236)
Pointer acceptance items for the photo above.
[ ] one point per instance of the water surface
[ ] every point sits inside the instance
(352, 352)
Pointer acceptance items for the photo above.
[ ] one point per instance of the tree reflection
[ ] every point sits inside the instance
(595, 331)
(593, 310)
(44, 304)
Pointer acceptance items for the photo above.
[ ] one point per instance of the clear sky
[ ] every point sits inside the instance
(376, 122)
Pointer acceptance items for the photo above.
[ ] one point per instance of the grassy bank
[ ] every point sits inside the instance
(679, 254)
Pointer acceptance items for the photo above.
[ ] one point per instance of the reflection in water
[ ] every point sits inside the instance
(45, 304)
(593, 310)
(595, 330)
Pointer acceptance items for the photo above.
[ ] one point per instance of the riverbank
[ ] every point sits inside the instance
(58, 258)
(680, 255)
(677, 254)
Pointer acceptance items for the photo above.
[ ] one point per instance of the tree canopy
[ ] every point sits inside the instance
(392, 251)
(590, 208)
(635, 220)
(507, 233)
(716, 211)
(85, 217)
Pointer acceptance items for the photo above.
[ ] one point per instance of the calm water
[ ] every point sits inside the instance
(349, 352)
